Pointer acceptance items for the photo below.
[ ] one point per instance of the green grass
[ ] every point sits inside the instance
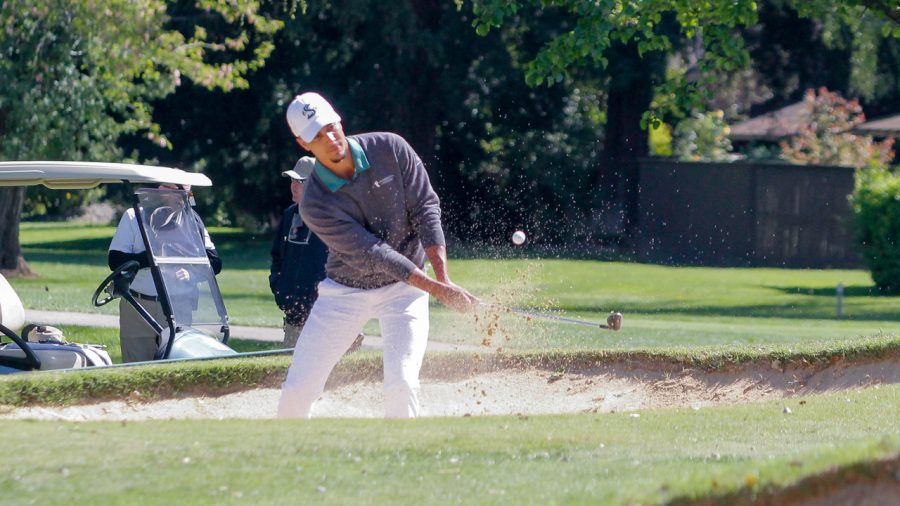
(153, 381)
(70, 260)
(646, 457)
(679, 317)
(176, 379)
(663, 306)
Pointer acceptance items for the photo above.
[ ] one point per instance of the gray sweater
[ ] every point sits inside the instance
(376, 225)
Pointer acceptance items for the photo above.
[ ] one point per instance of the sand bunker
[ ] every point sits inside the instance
(603, 388)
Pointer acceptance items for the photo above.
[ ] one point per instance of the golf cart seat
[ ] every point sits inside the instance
(46, 356)
(40, 354)
(55, 356)
(12, 313)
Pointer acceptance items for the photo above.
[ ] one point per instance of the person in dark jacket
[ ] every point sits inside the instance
(298, 259)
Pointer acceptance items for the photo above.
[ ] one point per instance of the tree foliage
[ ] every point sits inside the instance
(876, 202)
(827, 136)
(713, 23)
(77, 75)
(499, 154)
(603, 23)
(642, 33)
(703, 137)
(860, 27)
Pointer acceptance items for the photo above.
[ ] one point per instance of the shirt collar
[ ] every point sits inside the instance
(360, 162)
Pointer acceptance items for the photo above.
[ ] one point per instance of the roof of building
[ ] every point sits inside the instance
(888, 126)
(772, 126)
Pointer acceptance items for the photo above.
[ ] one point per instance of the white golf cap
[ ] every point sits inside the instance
(302, 169)
(308, 113)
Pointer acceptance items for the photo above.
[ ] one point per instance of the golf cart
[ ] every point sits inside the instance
(196, 323)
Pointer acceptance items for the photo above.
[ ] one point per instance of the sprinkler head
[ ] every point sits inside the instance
(614, 320)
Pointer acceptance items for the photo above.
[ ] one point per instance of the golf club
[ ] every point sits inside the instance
(613, 321)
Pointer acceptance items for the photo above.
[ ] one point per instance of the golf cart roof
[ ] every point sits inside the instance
(76, 175)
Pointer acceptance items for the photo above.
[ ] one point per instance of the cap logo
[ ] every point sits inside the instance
(309, 111)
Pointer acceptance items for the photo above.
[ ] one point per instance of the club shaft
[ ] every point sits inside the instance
(544, 316)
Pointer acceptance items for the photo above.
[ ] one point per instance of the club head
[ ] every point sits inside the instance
(614, 320)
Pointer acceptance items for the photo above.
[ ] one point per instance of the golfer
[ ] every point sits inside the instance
(369, 199)
(298, 261)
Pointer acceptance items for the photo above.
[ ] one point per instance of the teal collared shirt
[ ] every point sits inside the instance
(360, 162)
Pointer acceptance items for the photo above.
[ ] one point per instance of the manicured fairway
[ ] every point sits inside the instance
(663, 306)
(620, 458)
(646, 457)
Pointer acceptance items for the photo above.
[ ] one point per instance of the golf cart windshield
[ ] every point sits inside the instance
(177, 244)
(189, 315)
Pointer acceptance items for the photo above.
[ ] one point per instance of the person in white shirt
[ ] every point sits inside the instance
(138, 340)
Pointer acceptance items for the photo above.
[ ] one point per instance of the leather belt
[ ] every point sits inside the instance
(139, 295)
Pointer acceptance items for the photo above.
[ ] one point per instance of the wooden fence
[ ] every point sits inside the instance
(745, 214)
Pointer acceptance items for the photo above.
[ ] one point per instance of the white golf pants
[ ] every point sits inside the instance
(337, 317)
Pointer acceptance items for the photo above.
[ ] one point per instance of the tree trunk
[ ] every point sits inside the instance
(11, 262)
(616, 181)
(419, 111)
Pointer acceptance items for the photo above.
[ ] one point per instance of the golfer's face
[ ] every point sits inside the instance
(329, 143)
(296, 190)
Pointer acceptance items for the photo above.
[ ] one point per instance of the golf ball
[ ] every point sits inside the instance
(518, 237)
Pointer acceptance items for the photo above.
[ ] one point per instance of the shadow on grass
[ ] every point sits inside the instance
(796, 311)
(507, 251)
(97, 245)
(239, 251)
(66, 258)
(231, 297)
(247, 345)
(849, 291)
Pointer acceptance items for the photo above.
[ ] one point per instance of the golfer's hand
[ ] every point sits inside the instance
(450, 295)
(457, 298)
(182, 275)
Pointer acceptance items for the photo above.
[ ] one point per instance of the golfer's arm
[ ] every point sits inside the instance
(420, 280)
(450, 295)
(115, 258)
(437, 255)
(441, 287)
(214, 261)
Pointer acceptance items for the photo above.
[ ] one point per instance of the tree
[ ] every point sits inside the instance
(604, 26)
(876, 204)
(826, 135)
(501, 154)
(78, 75)
(420, 71)
(703, 136)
